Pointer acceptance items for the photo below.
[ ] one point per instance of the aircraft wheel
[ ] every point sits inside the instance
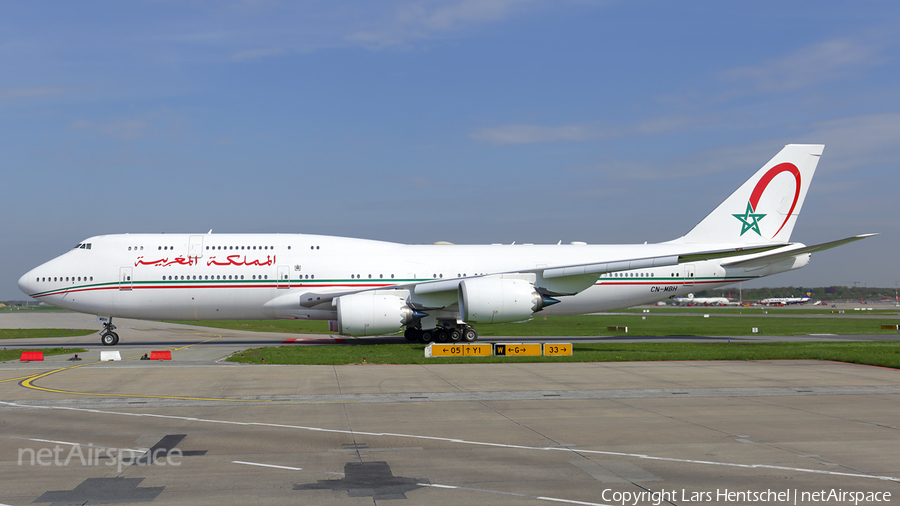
(411, 334)
(469, 334)
(442, 335)
(426, 336)
(109, 339)
(456, 334)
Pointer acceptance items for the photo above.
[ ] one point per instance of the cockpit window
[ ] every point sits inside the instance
(84, 245)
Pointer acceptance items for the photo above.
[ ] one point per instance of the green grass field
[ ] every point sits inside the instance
(773, 311)
(642, 324)
(290, 326)
(17, 354)
(29, 333)
(879, 353)
(45, 307)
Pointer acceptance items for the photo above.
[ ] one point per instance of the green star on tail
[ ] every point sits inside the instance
(749, 220)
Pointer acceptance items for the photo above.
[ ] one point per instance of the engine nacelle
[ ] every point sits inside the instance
(371, 313)
(494, 300)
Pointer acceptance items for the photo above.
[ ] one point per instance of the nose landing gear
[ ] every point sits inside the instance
(107, 336)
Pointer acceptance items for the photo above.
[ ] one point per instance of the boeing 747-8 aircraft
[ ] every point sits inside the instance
(437, 292)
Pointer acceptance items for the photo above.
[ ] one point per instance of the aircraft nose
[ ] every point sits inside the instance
(25, 283)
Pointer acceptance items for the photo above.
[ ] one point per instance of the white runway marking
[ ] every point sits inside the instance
(77, 444)
(542, 498)
(466, 442)
(267, 465)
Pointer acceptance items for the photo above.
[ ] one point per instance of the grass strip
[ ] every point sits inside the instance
(29, 333)
(6, 355)
(643, 324)
(878, 353)
(773, 310)
(287, 326)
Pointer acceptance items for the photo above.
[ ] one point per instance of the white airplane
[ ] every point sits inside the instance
(437, 291)
(702, 301)
(784, 301)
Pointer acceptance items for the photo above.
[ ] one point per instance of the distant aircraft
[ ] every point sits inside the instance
(784, 301)
(435, 292)
(690, 300)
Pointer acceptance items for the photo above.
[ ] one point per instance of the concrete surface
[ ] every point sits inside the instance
(199, 431)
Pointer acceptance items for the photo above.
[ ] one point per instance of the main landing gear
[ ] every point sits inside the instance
(442, 334)
(107, 336)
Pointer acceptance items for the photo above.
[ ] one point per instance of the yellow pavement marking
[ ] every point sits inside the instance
(28, 382)
(218, 336)
(19, 378)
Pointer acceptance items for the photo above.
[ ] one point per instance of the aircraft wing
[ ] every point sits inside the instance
(552, 280)
(776, 256)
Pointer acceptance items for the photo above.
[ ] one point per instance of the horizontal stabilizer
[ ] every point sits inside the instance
(785, 254)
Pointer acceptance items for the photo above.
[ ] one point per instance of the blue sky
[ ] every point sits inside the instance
(460, 120)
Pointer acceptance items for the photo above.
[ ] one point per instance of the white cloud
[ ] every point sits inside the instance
(34, 92)
(810, 65)
(533, 134)
(851, 143)
(129, 129)
(252, 54)
(857, 141)
(126, 129)
(420, 19)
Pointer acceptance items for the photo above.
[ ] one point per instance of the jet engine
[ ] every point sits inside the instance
(495, 300)
(372, 313)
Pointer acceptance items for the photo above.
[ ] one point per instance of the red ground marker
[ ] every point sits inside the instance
(32, 356)
(161, 355)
